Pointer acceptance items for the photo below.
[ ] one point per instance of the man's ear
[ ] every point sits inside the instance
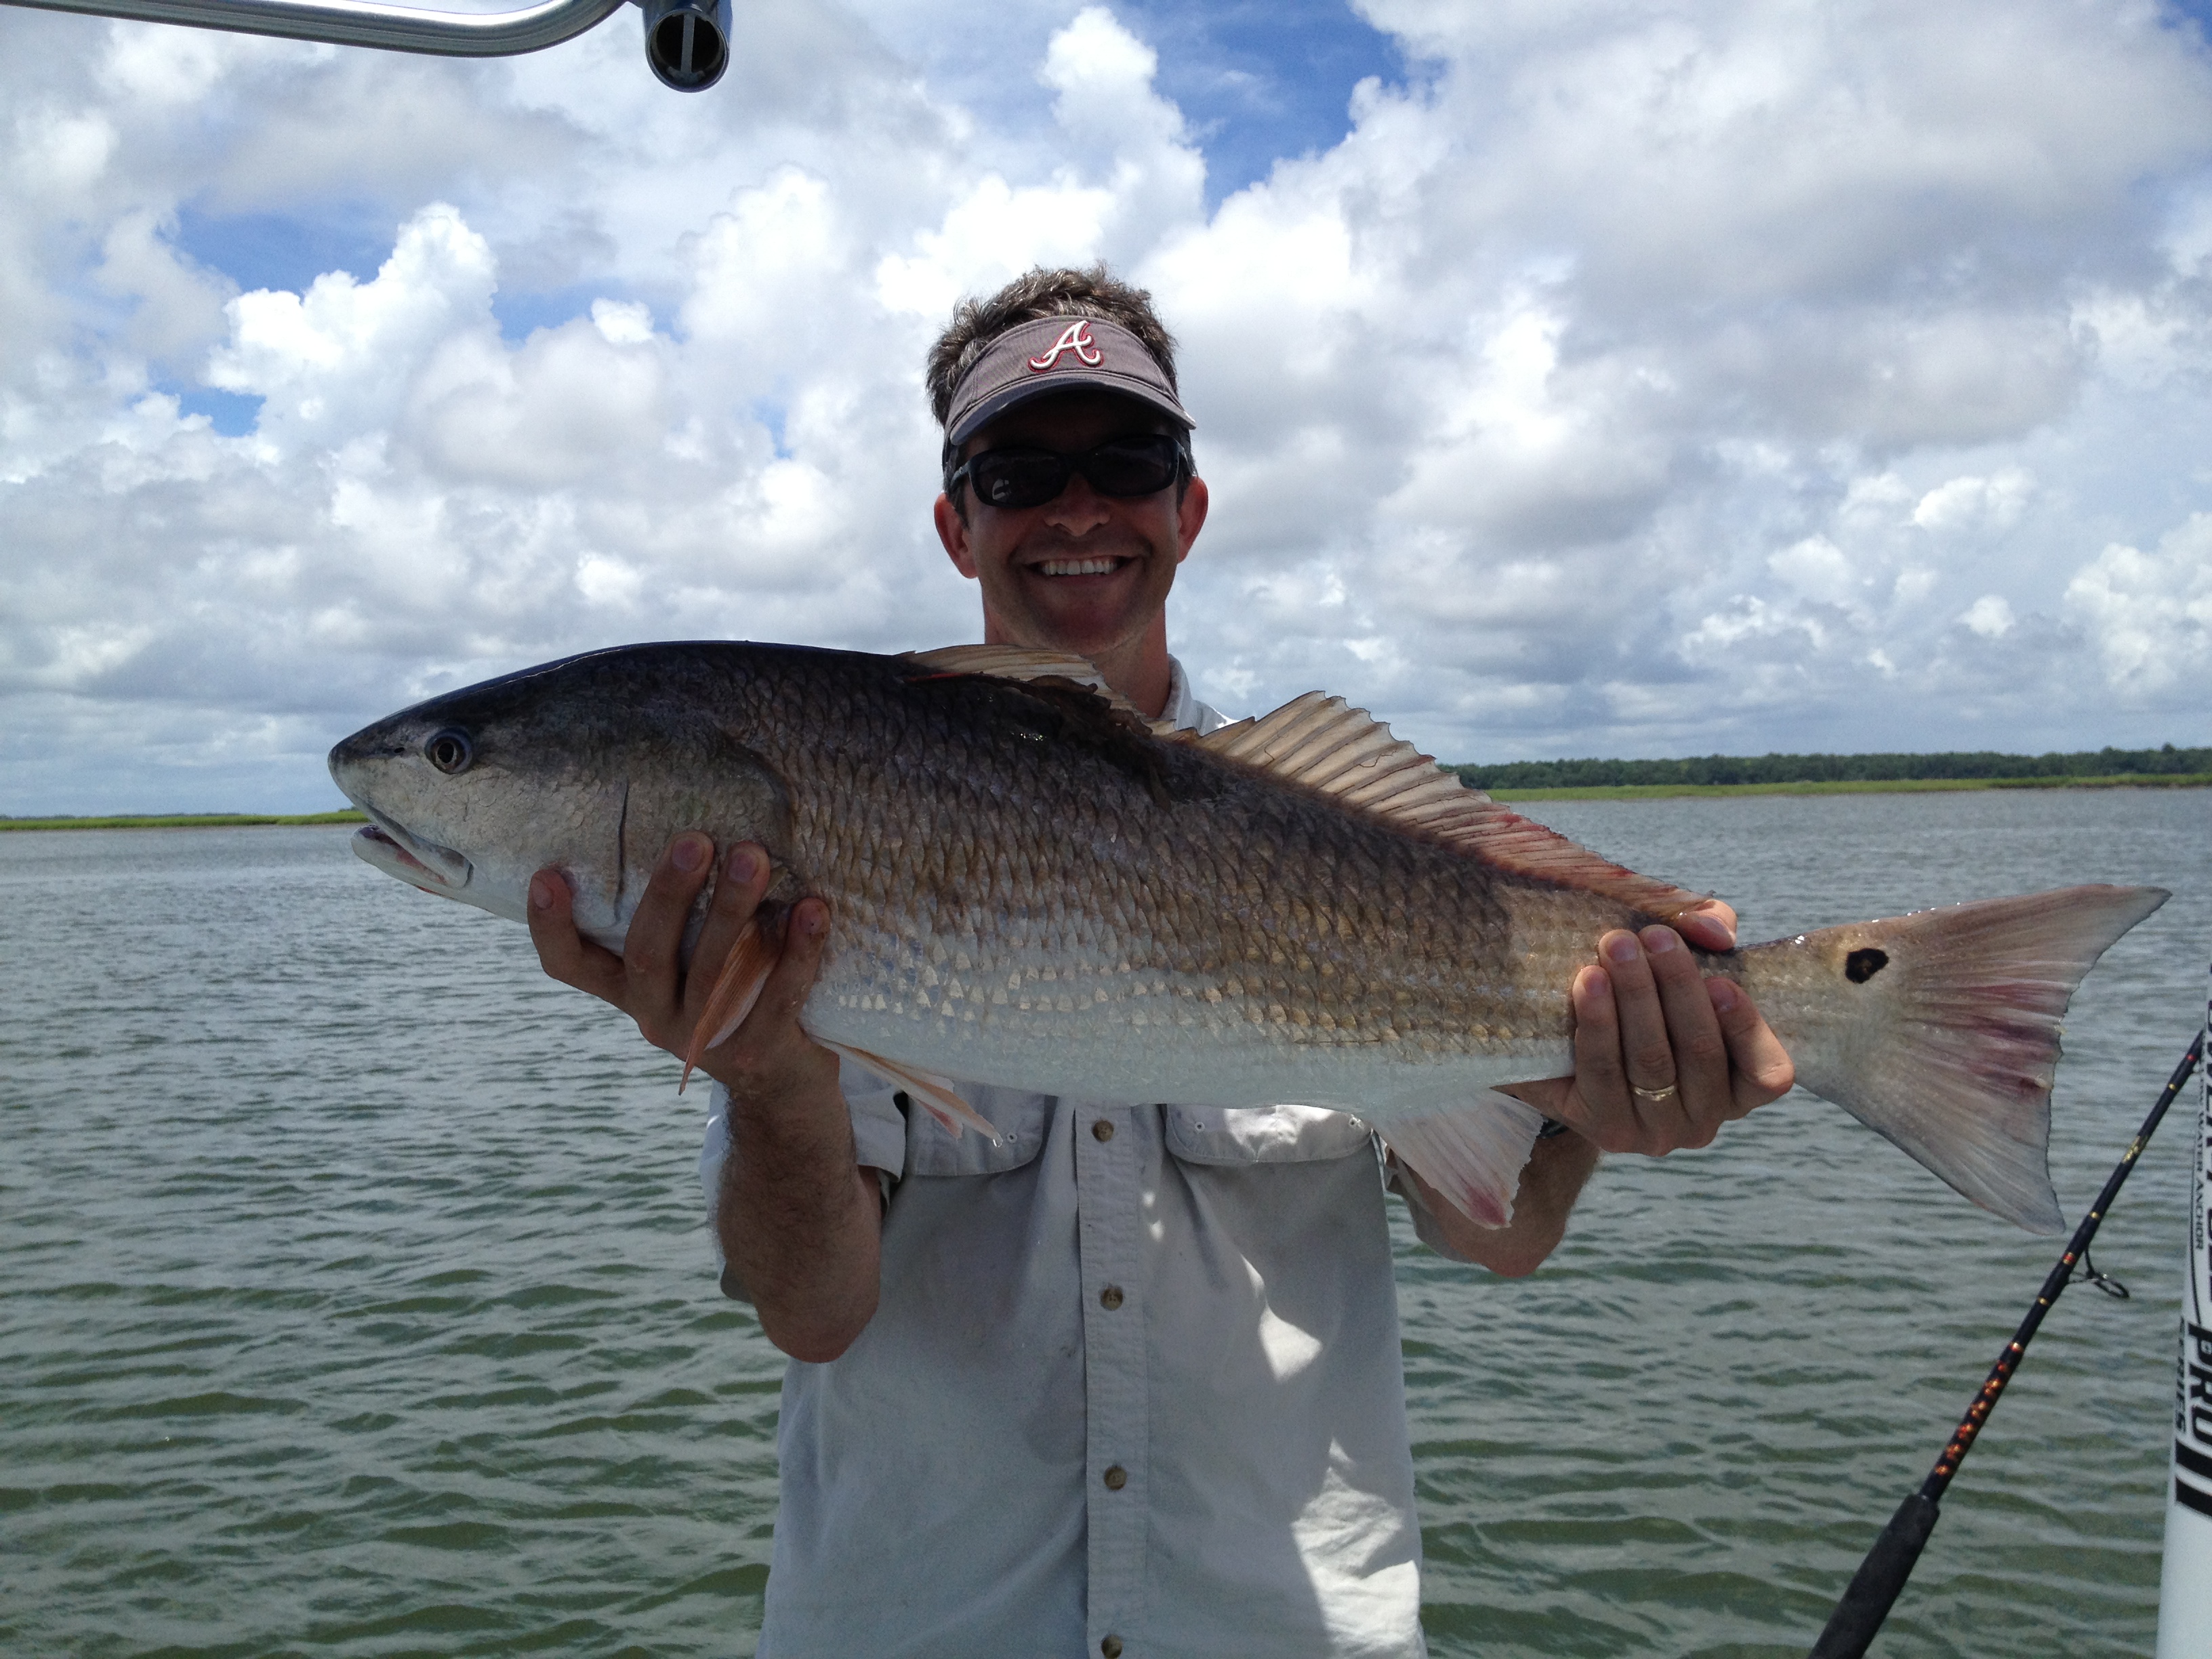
(1190, 516)
(952, 531)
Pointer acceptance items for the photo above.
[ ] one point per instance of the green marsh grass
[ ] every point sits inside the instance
(183, 821)
(1858, 786)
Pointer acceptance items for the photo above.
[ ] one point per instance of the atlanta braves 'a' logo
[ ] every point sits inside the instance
(1075, 338)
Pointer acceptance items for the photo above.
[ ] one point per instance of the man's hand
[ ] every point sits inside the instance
(769, 1054)
(800, 1221)
(1663, 1056)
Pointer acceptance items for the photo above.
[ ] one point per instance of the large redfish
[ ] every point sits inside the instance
(1032, 886)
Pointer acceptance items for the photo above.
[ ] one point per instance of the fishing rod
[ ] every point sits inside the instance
(1881, 1579)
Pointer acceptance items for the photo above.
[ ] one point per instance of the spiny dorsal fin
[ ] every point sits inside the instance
(1317, 741)
(1071, 698)
(1016, 662)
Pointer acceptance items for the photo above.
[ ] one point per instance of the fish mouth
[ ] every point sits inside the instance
(419, 863)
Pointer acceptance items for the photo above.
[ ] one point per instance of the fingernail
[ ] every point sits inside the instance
(1660, 941)
(1623, 947)
(1592, 984)
(740, 865)
(689, 852)
(1724, 995)
(541, 893)
(812, 921)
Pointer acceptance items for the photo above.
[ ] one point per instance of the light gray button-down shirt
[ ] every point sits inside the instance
(1133, 1387)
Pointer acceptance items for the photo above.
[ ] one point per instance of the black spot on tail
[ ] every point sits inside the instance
(1862, 965)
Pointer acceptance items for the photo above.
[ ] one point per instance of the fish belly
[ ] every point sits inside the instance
(1067, 1028)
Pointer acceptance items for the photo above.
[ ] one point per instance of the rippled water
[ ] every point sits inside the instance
(354, 1300)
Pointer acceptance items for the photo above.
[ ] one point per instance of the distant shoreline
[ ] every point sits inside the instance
(184, 821)
(1602, 792)
(1855, 786)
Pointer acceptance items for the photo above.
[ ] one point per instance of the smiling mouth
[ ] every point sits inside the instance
(1104, 565)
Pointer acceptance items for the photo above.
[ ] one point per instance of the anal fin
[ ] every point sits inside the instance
(1472, 1152)
(935, 1094)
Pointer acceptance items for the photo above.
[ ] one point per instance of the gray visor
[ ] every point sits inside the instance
(1056, 354)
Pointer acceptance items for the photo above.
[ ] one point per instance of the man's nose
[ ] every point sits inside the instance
(1076, 508)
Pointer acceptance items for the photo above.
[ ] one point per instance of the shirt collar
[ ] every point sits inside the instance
(1183, 709)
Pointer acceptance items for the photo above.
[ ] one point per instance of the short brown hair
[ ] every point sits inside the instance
(1041, 293)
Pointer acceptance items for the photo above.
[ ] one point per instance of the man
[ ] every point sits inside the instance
(1126, 1380)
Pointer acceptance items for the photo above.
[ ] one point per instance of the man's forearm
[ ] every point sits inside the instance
(800, 1222)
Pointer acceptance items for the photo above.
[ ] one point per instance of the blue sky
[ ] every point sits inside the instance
(1256, 82)
(1260, 81)
(1573, 376)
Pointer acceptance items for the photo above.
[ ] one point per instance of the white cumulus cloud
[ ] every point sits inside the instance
(2149, 615)
(1726, 376)
(1990, 616)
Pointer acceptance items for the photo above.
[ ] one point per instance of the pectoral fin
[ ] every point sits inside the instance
(744, 972)
(934, 1094)
(1471, 1152)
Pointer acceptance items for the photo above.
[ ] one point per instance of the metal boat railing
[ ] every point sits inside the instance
(686, 40)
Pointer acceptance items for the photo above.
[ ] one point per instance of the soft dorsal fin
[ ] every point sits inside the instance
(1016, 662)
(1318, 742)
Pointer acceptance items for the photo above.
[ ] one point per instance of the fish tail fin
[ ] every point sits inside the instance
(1939, 1030)
(1470, 1151)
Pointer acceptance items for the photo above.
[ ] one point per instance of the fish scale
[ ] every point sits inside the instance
(1030, 886)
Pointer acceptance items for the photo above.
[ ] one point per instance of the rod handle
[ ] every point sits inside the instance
(1852, 1626)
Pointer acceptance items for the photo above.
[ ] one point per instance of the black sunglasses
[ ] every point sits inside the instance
(1020, 475)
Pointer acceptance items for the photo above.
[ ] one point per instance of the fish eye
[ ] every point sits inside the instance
(448, 751)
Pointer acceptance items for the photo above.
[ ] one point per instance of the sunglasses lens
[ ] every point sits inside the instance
(1132, 466)
(1018, 477)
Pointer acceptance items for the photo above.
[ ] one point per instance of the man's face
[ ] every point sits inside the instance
(1085, 573)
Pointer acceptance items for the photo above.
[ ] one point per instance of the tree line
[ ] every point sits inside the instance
(1832, 769)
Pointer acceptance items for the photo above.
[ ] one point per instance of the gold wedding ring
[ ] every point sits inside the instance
(1653, 1095)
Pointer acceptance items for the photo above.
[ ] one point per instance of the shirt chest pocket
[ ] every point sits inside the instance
(1263, 1135)
(1021, 1120)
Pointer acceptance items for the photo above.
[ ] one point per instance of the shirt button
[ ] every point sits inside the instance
(1111, 1647)
(1104, 1129)
(1110, 1297)
(1116, 1477)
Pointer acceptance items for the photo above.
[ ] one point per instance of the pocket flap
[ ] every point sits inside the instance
(1263, 1135)
(1020, 1119)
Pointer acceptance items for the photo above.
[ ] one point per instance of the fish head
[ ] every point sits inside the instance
(588, 765)
(469, 794)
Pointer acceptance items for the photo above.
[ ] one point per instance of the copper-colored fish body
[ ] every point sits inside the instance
(1030, 886)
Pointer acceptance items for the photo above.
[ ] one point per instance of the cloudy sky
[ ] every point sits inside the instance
(1573, 376)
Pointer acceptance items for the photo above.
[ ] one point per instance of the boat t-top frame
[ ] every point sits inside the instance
(686, 41)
